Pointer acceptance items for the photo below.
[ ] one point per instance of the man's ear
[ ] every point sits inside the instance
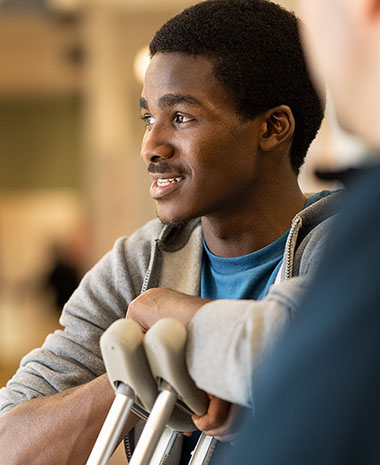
(278, 127)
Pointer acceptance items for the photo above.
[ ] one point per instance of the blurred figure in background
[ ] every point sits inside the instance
(318, 399)
(62, 278)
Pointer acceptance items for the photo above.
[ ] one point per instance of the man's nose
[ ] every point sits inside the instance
(156, 145)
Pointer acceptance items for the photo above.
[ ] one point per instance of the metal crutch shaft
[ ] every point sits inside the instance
(203, 451)
(164, 447)
(112, 428)
(154, 427)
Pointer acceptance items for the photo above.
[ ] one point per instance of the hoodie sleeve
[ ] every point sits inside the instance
(71, 356)
(227, 339)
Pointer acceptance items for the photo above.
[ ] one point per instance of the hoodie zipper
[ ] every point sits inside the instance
(129, 438)
(153, 257)
(296, 224)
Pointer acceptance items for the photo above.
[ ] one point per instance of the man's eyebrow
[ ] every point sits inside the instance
(143, 104)
(170, 100)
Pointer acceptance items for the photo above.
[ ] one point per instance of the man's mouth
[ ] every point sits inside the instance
(162, 182)
(164, 186)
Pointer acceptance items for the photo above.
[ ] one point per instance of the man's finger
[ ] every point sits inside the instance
(215, 416)
(228, 431)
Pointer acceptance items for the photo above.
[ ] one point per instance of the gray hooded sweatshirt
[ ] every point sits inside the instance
(227, 338)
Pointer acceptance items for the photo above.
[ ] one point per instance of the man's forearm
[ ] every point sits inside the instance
(59, 429)
(223, 362)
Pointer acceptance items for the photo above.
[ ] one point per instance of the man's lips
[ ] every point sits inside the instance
(164, 184)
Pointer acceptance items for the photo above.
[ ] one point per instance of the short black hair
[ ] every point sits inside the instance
(258, 58)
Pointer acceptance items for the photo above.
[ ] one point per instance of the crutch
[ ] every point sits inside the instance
(165, 349)
(128, 371)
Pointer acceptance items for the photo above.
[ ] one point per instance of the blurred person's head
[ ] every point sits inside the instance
(230, 110)
(342, 42)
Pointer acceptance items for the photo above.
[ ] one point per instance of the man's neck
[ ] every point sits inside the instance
(246, 231)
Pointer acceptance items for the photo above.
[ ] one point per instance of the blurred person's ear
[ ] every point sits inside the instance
(365, 10)
(367, 13)
(372, 7)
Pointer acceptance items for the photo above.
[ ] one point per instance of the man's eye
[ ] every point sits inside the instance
(180, 118)
(148, 119)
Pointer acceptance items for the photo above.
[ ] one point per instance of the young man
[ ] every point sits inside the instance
(230, 112)
(318, 401)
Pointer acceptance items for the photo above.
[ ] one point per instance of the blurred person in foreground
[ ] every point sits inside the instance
(318, 398)
(230, 112)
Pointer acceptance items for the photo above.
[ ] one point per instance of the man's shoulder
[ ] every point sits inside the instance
(325, 206)
(317, 220)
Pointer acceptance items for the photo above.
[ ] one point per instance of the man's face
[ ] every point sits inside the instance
(200, 153)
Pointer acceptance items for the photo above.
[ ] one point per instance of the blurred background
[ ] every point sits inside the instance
(71, 179)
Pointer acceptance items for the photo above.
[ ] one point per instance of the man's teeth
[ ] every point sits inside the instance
(167, 181)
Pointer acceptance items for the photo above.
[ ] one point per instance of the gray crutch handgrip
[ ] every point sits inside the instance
(165, 345)
(125, 360)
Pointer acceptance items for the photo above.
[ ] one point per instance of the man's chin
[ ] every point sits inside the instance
(174, 220)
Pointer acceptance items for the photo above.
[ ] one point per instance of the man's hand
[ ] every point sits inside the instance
(158, 303)
(220, 420)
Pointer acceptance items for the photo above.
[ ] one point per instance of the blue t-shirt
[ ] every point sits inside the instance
(247, 276)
